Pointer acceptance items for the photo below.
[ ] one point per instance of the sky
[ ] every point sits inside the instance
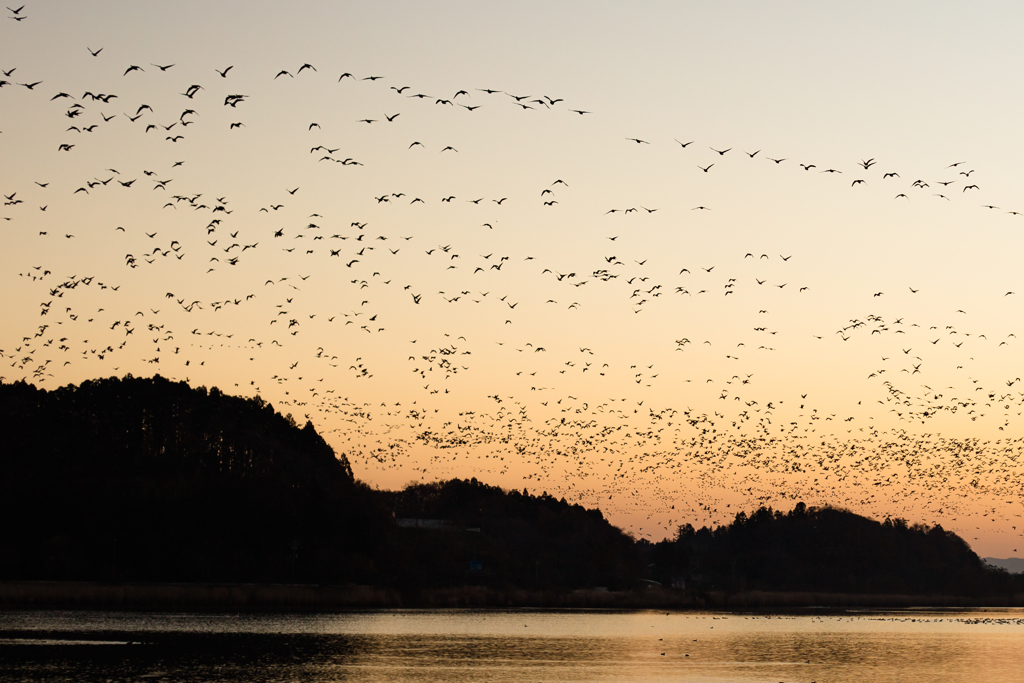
(675, 260)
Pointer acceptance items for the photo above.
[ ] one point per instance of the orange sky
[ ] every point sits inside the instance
(557, 312)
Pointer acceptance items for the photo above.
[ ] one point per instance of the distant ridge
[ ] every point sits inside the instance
(1014, 565)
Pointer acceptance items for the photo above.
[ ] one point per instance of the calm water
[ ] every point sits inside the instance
(514, 646)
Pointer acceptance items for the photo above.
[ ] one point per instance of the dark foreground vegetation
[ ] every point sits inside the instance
(148, 492)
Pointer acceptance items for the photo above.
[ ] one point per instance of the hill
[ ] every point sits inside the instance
(826, 549)
(465, 532)
(148, 480)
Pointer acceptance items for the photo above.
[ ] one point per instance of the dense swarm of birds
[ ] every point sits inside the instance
(392, 318)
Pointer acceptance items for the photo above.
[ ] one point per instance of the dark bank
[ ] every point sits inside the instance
(143, 493)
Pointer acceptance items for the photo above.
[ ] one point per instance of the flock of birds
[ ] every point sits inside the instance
(392, 319)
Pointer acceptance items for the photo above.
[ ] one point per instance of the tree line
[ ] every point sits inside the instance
(146, 479)
(826, 549)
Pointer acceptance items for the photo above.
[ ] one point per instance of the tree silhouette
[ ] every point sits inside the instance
(150, 479)
(826, 549)
(146, 479)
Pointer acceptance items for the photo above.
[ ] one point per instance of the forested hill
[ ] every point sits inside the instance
(150, 480)
(156, 427)
(828, 549)
(494, 537)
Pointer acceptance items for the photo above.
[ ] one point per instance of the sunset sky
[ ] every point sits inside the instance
(684, 259)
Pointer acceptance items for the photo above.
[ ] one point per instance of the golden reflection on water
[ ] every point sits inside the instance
(727, 657)
(517, 647)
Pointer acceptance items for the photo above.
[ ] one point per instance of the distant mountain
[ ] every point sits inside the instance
(1014, 565)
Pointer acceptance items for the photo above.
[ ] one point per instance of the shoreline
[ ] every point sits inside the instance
(16, 595)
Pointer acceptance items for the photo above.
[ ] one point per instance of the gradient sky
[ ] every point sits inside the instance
(803, 337)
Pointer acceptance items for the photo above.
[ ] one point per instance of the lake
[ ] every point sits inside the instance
(517, 646)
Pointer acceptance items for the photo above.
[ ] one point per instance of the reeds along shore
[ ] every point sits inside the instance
(304, 597)
(88, 595)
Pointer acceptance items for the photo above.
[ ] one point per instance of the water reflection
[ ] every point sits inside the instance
(513, 647)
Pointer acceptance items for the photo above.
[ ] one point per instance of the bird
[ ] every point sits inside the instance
(683, 452)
